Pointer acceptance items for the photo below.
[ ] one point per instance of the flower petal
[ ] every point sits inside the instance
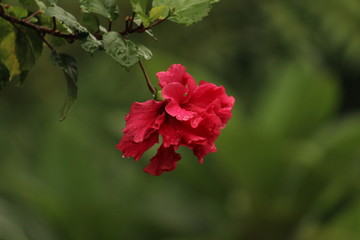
(173, 108)
(175, 73)
(171, 132)
(207, 92)
(211, 102)
(174, 91)
(202, 149)
(165, 160)
(143, 119)
(136, 150)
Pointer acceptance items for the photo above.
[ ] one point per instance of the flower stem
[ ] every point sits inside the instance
(148, 82)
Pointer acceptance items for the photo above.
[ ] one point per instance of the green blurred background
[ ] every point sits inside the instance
(287, 165)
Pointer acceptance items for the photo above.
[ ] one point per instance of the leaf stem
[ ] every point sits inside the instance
(32, 15)
(110, 26)
(42, 36)
(148, 82)
(132, 20)
(54, 23)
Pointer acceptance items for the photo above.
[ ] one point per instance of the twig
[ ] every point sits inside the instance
(141, 28)
(38, 28)
(71, 37)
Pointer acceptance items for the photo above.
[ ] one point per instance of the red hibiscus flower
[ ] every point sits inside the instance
(190, 115)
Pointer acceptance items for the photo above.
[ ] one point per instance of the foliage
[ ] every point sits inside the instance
(68, 65)
(23, 31)
(287, 165)
(124, 51)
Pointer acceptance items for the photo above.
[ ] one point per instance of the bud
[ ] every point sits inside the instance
(158, 96)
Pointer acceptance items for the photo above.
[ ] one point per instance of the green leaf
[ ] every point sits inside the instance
(102, 29)
(124, 51)
(65, 17)
(41, 5)
(186, 12)
(53, 1)
(56, 41)
(19, 49)
(139, 7)
(160, 12)
(31, 3)
(106, 8)
(144, 51)
(68, 64)
(17, 11)
(91, 22)
(8, 49)
(4, 75)
(28, 48)
(91, 44)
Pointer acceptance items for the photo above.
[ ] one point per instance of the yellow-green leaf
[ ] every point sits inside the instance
(160, 12)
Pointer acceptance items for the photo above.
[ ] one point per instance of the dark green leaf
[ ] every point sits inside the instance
(6, 28)
(68, 64)
(91, 22)
(106, 8)
(186, 12)
(65, 17)
(56, 41)
(21, 78)
(28, 48)
(124, 51)
(8, 48)
(19, 49)
(139, 7)
(4, 75)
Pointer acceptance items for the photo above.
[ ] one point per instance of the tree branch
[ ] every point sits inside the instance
(71, 37)
(39, 29)
(141, 28)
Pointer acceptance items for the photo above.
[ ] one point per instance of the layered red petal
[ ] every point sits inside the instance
(143, 120)
(134, 149)
(190, 116)
(165, 160)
